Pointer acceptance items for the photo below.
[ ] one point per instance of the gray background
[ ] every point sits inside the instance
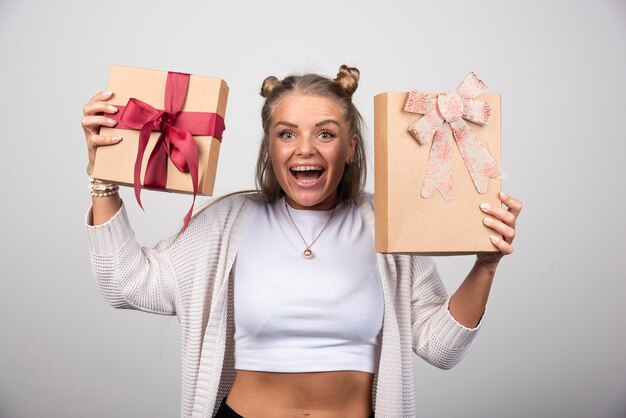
(553, 343)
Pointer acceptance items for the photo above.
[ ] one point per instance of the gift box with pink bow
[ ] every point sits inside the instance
(171, 124)
(436, 160)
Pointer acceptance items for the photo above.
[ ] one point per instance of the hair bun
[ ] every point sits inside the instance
(348, 78)
(268, 85)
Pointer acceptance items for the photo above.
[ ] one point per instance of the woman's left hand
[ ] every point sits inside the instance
(501, 220)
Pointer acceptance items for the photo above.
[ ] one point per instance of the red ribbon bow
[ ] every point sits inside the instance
(175, 141)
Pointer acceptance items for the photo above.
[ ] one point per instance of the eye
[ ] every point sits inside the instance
(327, 135)
(288, 135)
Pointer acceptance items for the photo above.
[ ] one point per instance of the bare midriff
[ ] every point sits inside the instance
(335, 394)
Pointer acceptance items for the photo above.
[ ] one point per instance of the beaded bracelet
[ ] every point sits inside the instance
(105, 194)
(102, 187)
(96, 186)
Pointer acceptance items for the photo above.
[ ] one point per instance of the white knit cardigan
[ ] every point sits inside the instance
(191, 277)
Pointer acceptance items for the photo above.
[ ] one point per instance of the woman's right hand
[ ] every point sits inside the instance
(94, 116)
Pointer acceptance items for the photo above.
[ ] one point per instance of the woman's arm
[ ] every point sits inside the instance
(103, 209)
(94, 116)
(468, 303)
(129, 277)
(436, 335)
(442, 329)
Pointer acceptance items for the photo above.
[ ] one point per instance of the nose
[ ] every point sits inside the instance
(306, 147)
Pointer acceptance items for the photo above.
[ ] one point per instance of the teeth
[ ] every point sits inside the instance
(304, 181)
(307, 168)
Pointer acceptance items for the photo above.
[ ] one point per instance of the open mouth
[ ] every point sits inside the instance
(307, 173)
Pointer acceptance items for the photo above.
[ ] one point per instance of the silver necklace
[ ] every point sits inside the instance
(308, 253)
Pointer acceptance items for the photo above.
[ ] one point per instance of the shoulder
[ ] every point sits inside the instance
(365, 202)
(366, 197)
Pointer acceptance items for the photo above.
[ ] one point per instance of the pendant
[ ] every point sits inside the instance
(308, 253)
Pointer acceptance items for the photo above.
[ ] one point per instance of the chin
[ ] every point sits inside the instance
(314, 201)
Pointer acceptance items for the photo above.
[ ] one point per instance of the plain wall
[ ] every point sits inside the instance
(553, 341)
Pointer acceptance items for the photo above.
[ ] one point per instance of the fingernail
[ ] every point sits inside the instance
(107, 93)
(503, 195)
(494, 239)
(112, 108)
(116, 138)
(111, 122)
(488, 220)
(485, 206)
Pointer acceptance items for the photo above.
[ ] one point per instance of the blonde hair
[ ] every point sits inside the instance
(340, 90)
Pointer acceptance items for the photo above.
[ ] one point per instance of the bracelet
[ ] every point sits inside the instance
(102, 187)
(103, 190)
(105, 194)
(99, 188)
(96, 186)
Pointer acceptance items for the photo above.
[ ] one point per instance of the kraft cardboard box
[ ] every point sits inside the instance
(407, 222)
(116, 163)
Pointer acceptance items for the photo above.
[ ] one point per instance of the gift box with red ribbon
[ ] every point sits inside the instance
(436, 160)
(171, 124)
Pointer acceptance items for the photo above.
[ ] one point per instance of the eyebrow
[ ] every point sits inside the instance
(289, 124)
(327, 121)
(318, 124)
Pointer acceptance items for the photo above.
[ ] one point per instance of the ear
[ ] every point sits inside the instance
(352, 148)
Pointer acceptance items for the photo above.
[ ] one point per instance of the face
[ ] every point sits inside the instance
(310, 144)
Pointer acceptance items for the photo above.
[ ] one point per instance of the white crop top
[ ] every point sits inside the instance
(305, 315)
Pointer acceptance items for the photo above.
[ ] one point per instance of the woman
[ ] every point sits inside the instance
(285, 308)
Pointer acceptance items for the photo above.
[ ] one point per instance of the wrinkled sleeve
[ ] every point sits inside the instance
(436, 336)
(128, 275)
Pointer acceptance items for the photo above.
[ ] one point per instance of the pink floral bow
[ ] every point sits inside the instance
(443, 120)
